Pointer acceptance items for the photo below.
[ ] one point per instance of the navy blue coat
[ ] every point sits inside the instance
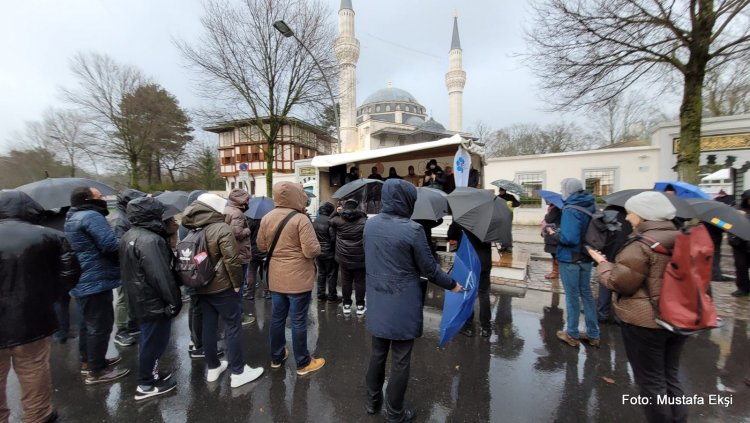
(573, 224)
(396, 254)
(97, 247)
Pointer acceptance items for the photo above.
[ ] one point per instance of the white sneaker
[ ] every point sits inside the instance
(347, 309)
(248, 375)
(213, 374)
(361, 310)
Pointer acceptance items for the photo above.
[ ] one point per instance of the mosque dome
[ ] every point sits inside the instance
(414, 121)
(390, 94)
(431, 125)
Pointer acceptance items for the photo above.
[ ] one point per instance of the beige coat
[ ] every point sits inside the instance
(292, 268)
(635, 266)
(234, 216)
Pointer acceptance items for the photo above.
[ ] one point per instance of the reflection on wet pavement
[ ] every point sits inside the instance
(522, 373)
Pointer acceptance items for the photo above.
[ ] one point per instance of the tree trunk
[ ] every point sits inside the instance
(135, 174)
(158, 168)
(269, 167)
(691, 115)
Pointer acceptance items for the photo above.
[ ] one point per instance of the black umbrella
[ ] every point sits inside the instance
(431, 204)
(259, 207)
(482, 213)
(53, 193)
(684, 209)
(348, 190)
(176, 200)
(722, 216)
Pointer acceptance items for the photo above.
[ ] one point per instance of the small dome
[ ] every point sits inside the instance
(431, 125)
(414, 121)
(390, 94)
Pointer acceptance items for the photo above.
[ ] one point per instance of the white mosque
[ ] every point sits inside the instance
(391, 116)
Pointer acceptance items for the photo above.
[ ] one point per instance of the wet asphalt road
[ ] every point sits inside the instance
(521, 374)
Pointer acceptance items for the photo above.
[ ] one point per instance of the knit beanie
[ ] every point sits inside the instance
(651, 205)
(570, 185)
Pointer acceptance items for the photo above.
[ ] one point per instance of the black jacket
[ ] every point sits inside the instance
(257, 255)
(118, 219)
(483, 249)
(37, 267)
(551, 220)
(146, 263)
(322, 225)
(347, 231)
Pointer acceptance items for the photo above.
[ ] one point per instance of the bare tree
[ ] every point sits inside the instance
(623, 118)
(481, 130)
(253, 72)
(586, 52)
(531, 139)
(727, 89)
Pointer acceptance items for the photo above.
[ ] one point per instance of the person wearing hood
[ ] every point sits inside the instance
(347, 230)
(433, 176)
(615, 242)
(55, 219)
(412, 177)
(234, 216)
(146, 263)
(256, 276)
(220, 297)
(396, 255)
(97, 247)
(636, 277)
(291, 273)
(127, 327)
(328, 269)
(741, 252)
(575, 264)
(37, 268)
(392, 174)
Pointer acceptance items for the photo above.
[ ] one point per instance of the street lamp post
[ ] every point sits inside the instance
(284, 29)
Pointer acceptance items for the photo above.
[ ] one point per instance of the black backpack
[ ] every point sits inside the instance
(602, 227)
(194, 265)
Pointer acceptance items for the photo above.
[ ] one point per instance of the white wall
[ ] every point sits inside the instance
(635, 167)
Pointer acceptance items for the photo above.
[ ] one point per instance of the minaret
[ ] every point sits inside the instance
(455, 79)
(347, 53)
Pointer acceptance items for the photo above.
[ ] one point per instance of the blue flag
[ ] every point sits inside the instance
(458, 306)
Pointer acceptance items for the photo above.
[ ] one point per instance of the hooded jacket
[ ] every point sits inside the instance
(292, 267)
(37, 267)
(396, 254)
(97, 247)
(234, 216)
(146, 263)
(118, 219)
(635, 266)
(222, 246)
(573, 224)
(347, 231)
(183, 231)
(322, 225)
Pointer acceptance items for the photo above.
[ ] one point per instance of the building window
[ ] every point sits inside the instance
(387, 107)
(398, 107)
(232, 185)
(377, 109)
(531, 182)
(599, 182)
(408, 108)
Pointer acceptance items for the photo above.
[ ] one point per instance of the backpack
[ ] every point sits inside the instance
(602, 228)
(685, 306)
(194, 265)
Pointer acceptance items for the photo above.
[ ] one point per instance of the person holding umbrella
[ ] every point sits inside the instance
(575, 264)
(328, 269)
(551, 221)
(484, 251)
(396, 254)
(741, 252)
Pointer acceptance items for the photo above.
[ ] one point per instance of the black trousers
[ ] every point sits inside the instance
(483, 295)
(356, 278)
(195, 321)
(154, 340)
(398, 379)
(328, 274)
(97, 318)
(654, 355)
(716, 236)
(741, 264)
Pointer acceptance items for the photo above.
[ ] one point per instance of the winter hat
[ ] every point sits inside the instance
(214, 201)
(570, 185)
(350, 204)
(651, 205)
(432, 162)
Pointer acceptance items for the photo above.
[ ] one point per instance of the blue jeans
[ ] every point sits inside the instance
(576, 279)
(226, 305)
(295, 305)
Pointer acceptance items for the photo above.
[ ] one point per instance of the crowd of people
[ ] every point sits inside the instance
(121, 274)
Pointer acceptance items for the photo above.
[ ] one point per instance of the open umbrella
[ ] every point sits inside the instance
(551, 197)
(178, 200)
(684, 210)
(722, 216)
(259, 207)
(510, 186)
(457, 307)
(348, 190)
(682, 189)
(481, 213)
(53, 193)
(431, 204)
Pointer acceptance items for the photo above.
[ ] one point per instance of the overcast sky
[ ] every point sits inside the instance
(405, 42)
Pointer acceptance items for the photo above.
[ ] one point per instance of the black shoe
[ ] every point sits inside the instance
(740, 293)
(53, 416)
(267, 295)
(485, 333)
(405, 416)
(162, 375)
(249, 295)
(333, 299)
(467, 331)
(105, 376)
(158, 388)
(373, 407)
(322, 298)
(124, 339)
